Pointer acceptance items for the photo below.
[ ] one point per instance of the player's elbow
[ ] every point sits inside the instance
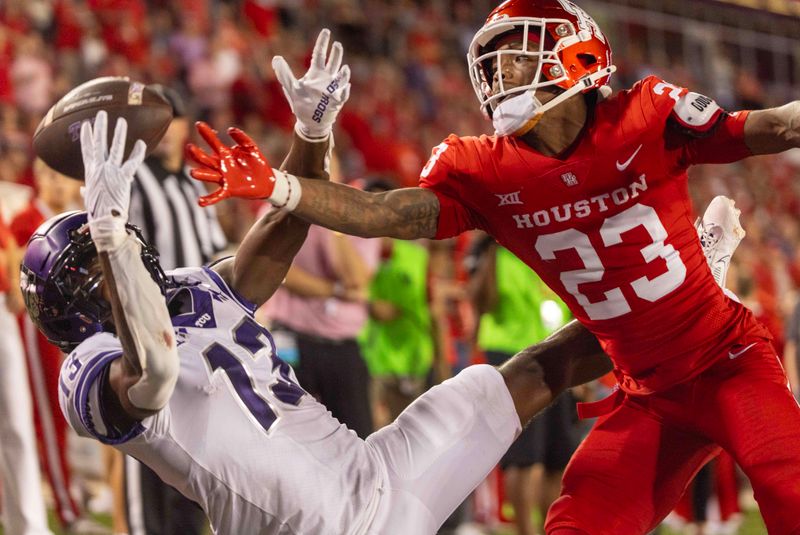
(164, 371)
(157, 381)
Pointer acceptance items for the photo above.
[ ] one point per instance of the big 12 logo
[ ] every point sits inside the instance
(585, 22)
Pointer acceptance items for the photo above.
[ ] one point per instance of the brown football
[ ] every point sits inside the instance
(57, 138)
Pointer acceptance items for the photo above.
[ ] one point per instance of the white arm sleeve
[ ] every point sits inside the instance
(150, 326)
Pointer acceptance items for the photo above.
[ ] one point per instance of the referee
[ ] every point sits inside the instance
(164, 206)
(164, 199)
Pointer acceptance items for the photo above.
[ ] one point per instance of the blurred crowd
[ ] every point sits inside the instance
(410, 90)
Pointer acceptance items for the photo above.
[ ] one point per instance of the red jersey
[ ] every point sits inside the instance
(28, 220)
(609, 225)
(6, 242)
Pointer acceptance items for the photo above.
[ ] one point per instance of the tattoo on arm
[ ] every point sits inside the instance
(407, 213)
(569, 357)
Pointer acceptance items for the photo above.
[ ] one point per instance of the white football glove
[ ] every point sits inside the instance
(107, 193)
(317, 97)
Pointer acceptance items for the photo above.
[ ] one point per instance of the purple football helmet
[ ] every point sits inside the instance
(61, 280)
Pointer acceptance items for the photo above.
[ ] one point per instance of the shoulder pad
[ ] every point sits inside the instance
(696, 114)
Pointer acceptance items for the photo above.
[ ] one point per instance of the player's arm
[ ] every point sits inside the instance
(263, 259)
(406, 213)
(243, 171)
(708, 134)
(773, 130)
(569, 357)
(141, 382)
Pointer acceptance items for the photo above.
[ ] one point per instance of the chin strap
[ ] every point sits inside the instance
(518, 115)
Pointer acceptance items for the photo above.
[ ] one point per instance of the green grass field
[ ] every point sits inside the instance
(752, 526)
(102, 519)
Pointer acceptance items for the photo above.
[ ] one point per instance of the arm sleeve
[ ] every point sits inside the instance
(80, 386)
(441, 175)
(724, 144)
(696, 128)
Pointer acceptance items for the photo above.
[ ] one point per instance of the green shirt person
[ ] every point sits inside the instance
(397, 341)
(517, 309)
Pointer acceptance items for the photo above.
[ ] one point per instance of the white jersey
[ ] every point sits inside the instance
(238, 436)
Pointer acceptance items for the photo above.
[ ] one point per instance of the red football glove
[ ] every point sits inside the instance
(240, 171)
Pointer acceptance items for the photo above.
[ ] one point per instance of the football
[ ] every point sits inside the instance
(57, 138)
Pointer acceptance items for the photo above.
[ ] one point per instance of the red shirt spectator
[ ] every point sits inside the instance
(124, 27)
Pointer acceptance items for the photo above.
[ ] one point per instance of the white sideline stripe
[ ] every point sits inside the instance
(133, 498)
(57, 479)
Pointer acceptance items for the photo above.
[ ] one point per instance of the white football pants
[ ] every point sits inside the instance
(440, 448)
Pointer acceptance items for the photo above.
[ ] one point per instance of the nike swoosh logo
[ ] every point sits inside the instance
(732, 355)
(623, 166)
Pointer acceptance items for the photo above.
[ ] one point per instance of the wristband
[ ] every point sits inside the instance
(298, 129)
(287, 192)
(108, 232)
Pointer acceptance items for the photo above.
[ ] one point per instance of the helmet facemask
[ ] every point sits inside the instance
(536, 44)
(572, 54)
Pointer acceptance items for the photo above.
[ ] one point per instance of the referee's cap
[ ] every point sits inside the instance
(174, 98)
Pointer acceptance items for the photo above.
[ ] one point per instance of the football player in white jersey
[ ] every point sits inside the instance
(173, 369)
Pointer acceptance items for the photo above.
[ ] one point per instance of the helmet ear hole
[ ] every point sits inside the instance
(587, 60)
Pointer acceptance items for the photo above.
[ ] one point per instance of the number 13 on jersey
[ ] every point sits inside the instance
(615, 304)
(249, 335)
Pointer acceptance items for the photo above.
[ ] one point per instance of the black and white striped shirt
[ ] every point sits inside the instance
(164, 205)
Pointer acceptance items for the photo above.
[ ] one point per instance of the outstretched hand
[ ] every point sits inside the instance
(239, 171)
(107, 194)
(319, 95)
(108, 179)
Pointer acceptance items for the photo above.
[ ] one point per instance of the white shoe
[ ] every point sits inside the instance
(720, 233)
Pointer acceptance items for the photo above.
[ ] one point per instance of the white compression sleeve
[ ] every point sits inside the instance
(150, 326)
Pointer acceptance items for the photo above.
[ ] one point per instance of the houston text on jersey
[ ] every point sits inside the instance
(582, 208)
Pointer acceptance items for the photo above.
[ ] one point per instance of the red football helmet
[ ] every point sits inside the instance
(572, 52)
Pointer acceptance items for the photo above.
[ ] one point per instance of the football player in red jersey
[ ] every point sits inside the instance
(590, 189)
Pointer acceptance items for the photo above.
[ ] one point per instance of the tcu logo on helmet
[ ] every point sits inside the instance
(585, 22)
